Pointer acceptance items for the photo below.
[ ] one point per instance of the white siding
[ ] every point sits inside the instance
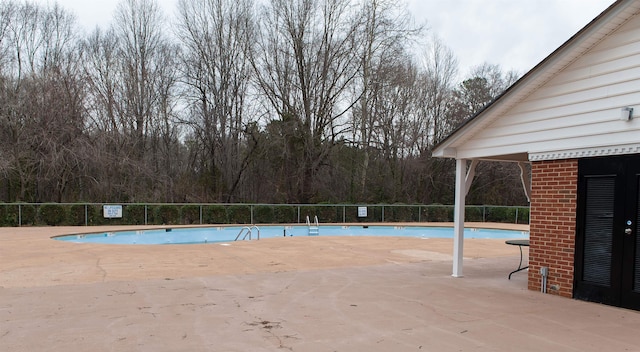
(577, 109)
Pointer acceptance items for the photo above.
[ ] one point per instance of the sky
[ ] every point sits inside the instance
(515, 34)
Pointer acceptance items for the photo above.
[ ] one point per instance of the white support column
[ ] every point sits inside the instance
(458, 217)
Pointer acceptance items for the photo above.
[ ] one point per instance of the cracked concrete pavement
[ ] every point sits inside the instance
(292, 294)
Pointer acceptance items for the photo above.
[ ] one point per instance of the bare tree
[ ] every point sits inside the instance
(385, 32)
(440, 69)
(42, 98)
(132, 74)
(148, 67)
(217, 36)
(7, 15)
(138, 26)
(485, 83)
(105, 110)
(102, 73)
(301, 101)
(396, 115)
(305, 65)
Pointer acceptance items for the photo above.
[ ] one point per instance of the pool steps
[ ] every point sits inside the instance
(314, 229)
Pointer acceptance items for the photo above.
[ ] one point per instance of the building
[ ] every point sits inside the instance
(575, 119)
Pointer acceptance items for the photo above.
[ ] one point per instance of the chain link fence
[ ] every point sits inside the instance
(89, 214)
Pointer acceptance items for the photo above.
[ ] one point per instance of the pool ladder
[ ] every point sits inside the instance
(314, 229)
(248, 230)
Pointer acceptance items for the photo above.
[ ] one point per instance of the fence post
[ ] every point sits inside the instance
(200, 214)
(86, 216)
(517, 215)
(145, 215)
(19, 215)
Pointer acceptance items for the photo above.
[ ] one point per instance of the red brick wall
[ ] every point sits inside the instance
(553, 223)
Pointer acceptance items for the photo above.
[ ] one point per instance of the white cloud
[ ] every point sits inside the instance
(515, 34)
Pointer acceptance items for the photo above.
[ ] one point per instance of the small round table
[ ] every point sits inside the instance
(520, 244)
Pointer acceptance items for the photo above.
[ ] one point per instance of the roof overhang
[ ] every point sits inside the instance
(583, 41)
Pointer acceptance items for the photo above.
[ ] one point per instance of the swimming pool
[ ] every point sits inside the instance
(222, 234)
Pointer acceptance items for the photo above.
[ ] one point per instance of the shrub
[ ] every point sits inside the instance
(307, 211)
(239, 214)
(263, 214)
(324, 213)
(25, 214)
(474, 213)
(438, 213)
(401, 213)
(134, 214)
(52, 214)
(215, 214)
(166, 214)
(76, 215)
(285, 214)
(8, 215)
(523, 215)
(374, 214)
(96, 216)
(190, 214)
(501, 214)
(327, 214)
(350, 214)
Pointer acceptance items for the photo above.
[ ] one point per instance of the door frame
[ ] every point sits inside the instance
(619, 292)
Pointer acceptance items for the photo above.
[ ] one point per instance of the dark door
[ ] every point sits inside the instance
(607, 265)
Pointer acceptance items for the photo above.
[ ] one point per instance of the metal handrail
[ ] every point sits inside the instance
(315, 220)
(315, 227)
(241, 231)
(249, 232)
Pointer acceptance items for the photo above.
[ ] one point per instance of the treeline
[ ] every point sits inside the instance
(279, 101)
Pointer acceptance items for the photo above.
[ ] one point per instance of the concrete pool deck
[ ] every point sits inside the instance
(291, 294)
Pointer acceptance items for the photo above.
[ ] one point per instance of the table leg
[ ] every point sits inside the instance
(520, 267)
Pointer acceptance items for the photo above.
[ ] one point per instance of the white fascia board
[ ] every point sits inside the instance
(585, 152)
(445, 153)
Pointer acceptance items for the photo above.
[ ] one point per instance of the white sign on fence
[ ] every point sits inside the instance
(112, 211)
(362, 212)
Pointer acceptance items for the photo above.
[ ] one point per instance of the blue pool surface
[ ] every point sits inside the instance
(222, 234)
